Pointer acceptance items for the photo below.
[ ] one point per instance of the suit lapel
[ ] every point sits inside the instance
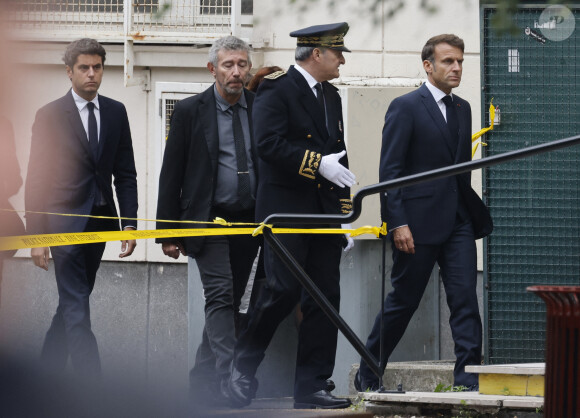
(254, 147)
(435, 113)
(309, 102)
(74, 120)
(105, 118)
(464, 145)
(333, 112)
(209, 124)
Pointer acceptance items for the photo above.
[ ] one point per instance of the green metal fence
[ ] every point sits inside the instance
(534, 78)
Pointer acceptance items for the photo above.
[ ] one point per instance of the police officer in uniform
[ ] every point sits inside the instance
(303, 169)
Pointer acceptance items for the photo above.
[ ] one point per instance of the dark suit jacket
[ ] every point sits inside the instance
(190, 164)
(416, 139)
(63, 175)
(292, 138)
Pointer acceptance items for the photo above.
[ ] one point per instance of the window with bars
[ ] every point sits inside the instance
(168, 109)
(212, 7)
(156, 20)
(83, 6)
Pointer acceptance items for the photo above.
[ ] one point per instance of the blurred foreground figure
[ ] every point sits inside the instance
(10, 183)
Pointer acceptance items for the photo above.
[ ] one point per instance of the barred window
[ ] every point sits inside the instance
(84, 6)
(218, 7)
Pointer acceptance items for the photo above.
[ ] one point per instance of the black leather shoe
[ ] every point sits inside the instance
(361, 386)
(240, 389)
(321, 400)
(330, 386)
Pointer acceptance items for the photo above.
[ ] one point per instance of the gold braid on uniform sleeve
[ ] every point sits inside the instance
(310, 164)
(345, 205)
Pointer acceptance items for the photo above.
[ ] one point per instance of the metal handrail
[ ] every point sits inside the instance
(311, 287)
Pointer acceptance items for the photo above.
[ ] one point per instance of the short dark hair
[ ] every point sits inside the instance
(82, 46)
(429, 49)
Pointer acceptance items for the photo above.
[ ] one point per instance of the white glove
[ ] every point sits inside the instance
(334, 171)
(350, 241)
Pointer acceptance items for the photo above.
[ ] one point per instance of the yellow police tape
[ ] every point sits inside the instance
(477, 135)
(54, 240)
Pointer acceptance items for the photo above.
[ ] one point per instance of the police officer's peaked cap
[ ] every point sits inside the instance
(324, 36)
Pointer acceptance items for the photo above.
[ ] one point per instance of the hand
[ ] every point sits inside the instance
(127, 246)
(40, 257)
(334, 171)
(403, 240)
(172, 250)
(349, 240)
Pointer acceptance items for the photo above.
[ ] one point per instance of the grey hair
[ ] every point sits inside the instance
(303, 52)
(228, 43)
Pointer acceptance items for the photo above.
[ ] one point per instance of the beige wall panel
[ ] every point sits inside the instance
(365, 109)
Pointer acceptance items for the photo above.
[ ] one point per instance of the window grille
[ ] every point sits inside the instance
(154, 21)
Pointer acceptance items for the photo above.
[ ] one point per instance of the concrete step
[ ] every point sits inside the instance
(419, 376)
(432, 404)
(525, 379)
(508, 391)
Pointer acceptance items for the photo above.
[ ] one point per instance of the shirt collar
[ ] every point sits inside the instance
(224, 105)
(435, 92)
(309, 79)
(82, 103)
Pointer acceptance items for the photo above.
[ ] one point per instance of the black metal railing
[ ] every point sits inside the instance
(306, 281)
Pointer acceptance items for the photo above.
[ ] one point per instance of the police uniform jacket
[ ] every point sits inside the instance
(292, 137)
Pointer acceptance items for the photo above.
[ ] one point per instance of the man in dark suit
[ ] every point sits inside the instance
(79, 143)
(209, 170)
(432, 222)
(303, 169)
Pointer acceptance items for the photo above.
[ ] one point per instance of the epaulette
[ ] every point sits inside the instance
(275, 75)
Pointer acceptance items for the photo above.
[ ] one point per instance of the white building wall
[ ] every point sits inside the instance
(381, 48)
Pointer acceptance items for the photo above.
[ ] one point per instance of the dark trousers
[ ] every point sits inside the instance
(457, 260)
(319, 255)
(225, 264)
(70, 332)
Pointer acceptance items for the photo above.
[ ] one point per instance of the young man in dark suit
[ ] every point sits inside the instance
(209, 170)
(80, 144)
(303, 169)
(432, 222)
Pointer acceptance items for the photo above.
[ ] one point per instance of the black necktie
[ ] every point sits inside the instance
(244, 193)
(452, 122)
(93, 132)
(320, 98)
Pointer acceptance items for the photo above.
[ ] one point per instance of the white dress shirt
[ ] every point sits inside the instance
(309, 79)
(438, 95)
(84, 112)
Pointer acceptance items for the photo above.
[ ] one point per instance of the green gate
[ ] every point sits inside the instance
(534, 78)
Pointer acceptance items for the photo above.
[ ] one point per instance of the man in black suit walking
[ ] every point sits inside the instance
(432, 222)
(209, 170)
(80, 143)
(303, 169)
